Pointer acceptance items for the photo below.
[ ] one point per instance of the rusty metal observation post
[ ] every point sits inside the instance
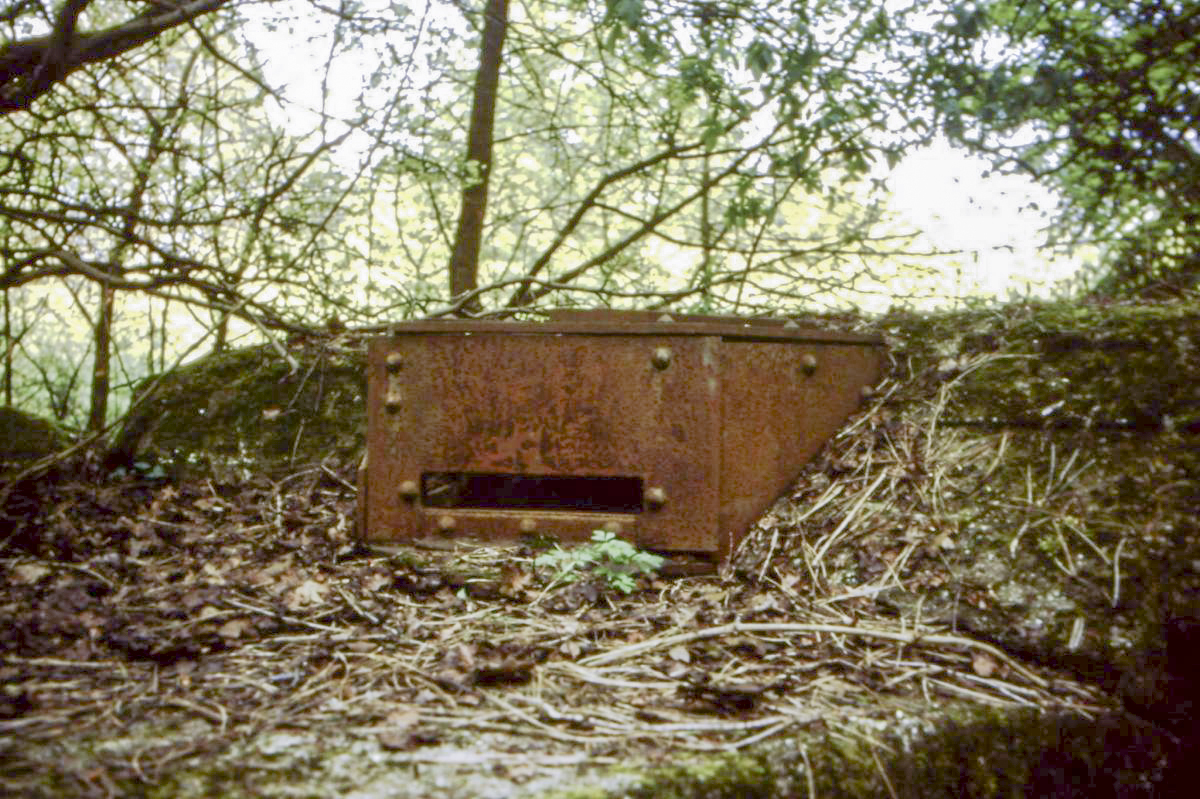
(676, 431)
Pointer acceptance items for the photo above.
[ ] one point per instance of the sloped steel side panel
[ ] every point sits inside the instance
(545, 405)
(781, 403)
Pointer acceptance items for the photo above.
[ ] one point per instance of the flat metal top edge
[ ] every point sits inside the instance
(756, 331)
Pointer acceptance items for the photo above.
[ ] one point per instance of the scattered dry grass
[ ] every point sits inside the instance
(242, 609)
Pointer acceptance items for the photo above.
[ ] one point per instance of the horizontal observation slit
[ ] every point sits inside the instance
(531, 492)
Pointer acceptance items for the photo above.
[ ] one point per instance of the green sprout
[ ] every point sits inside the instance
(608, 558)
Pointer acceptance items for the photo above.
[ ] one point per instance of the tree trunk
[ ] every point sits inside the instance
(101, 362)
(464, 261)
(9, 346)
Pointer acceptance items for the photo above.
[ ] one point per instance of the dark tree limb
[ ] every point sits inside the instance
(32, 67)
(464, 261)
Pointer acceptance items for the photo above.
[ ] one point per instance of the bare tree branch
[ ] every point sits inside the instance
(31, 67)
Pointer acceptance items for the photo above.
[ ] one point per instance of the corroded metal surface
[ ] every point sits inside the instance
(677, 433)
(780, 403)
(465, 407)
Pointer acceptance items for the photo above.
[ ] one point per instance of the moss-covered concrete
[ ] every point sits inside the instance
(952, 750)
(1087, 515)
(1115, 367)
(249, 412)
(25, 438)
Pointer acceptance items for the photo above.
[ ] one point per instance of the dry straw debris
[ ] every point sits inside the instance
(247, 608)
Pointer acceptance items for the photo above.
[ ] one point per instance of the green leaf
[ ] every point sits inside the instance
(608, 557)
(614, 36)
(629, 12)
(799, 64)
(759, 58)
(712, 131)
(651, 49)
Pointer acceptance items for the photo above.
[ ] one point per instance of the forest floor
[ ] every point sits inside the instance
(230, 612)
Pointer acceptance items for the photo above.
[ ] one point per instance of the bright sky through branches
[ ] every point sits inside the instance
(993, 225)
(996, 220)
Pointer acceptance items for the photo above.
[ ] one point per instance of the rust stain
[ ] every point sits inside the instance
(676, 433)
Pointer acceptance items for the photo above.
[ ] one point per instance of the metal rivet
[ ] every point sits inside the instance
(446, 523)
(661, 358)
(808, 363)
(656, 497)
(394, 361)
(409, 489)
(528, 525)
(612, 527)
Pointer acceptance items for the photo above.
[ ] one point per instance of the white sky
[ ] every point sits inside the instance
(996, 220)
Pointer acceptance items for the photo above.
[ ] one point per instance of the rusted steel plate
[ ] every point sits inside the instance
(780, 404)
(751, 330)
(678, 433)
(486, 413)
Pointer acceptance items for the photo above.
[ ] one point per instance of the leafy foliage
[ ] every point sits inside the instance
(147, 185)
(1097, 97)
(607, 558)
(704, 155)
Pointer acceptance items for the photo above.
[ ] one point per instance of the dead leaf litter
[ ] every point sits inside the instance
(250, 608)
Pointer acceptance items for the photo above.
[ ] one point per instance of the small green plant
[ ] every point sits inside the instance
(608, 558)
